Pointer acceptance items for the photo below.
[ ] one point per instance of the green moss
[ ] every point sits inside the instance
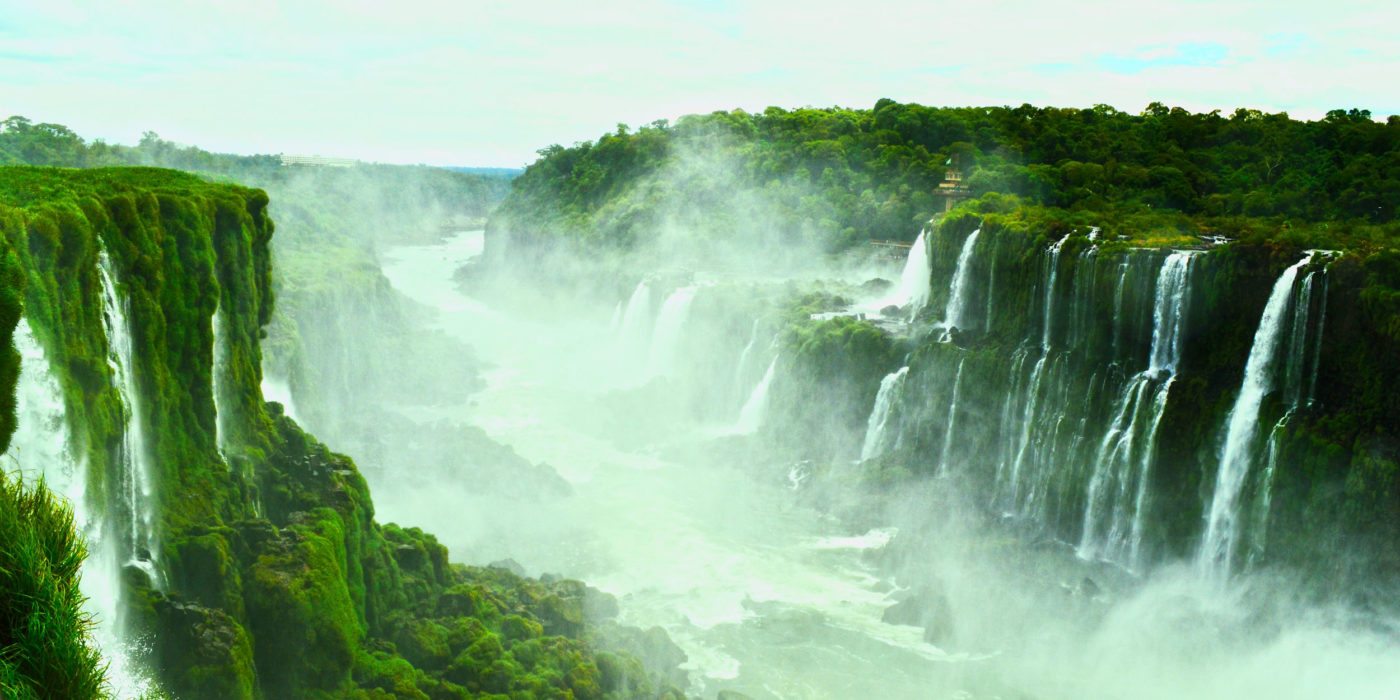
(280, 582)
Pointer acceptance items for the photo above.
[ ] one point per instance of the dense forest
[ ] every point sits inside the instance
(841, 176)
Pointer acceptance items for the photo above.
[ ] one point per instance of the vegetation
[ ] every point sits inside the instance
(279, 583)
(45, 648)
(842, 176)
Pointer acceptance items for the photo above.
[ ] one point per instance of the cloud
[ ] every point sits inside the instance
(489, 83)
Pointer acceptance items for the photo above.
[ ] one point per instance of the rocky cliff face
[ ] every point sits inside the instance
(1140, 403)
(245, 552)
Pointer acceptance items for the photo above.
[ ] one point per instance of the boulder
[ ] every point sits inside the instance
(926, 607)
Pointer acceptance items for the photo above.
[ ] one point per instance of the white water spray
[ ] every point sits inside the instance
(891, 389)
(636, 317)
(913, 288)
(755, 410)
(1119, 484)
(950, 432)
(135, 469)
(958, 290)
(43, 445)
(219, 372)
(670, 332)
(1222, 533)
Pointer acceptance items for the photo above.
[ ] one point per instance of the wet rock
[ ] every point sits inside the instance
(926, 607)
(892, 311)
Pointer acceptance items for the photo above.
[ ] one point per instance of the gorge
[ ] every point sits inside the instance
(685, 434)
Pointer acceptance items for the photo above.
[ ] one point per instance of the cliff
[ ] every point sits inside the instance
(1143, 403)
(248, 554)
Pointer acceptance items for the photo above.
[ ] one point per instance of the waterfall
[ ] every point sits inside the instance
(43, 445)
(1236, 454)
(752, 415)
(891, 388)
(636, 317)
(913, 287)
(957, 291)
(1034, 387)
(1052, 274)
(949, 432)
(670, 330)
(135, 472)
(1119, 483)
(1299, 391)
(219, 372)
(741, 368)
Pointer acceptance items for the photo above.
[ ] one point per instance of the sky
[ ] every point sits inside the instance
(489, 83)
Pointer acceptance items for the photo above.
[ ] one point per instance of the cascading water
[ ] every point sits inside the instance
(958, 290)
(1018, 496)
(1223, 524)
(891, 389)
(1114, 512)
(913, 288)
(219, 370)
(1299, 388)
(636, 317)
(951, 432)
(43, 445)
(741, 367)
(751, 416)
(670, 330)
(135, 475)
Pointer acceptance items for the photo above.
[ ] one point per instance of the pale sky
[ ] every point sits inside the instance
(478, 83)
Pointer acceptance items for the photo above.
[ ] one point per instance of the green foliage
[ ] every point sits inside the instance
(841, 176)
(44, 634)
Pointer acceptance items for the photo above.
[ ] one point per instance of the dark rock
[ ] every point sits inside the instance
(1088, 589)
(926, 607)
(876, 285)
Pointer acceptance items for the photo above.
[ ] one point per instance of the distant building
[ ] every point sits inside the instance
(322, 161)
(952, 189)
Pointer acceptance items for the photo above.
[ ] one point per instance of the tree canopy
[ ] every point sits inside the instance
(846, 175)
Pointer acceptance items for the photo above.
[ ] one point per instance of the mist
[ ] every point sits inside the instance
(639, 419)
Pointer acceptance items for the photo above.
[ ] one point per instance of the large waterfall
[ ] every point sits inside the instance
(636, 317)
(958, 290)
(914, 280)
(670, 328)
(876, 431)
(1116, 502)
(43, 446)
(1021, 469)
(135, 471)
(1224, 517)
